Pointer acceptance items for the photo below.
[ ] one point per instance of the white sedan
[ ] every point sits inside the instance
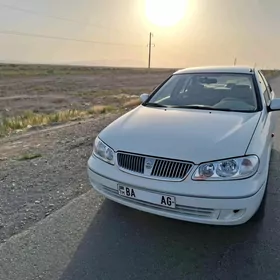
(196, 149)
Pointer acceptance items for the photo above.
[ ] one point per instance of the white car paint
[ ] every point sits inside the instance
(195, 136)
(231, 129)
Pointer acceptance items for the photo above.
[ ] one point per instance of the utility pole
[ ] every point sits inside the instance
(150, 45)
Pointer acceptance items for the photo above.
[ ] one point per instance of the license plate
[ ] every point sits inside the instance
(158, 199)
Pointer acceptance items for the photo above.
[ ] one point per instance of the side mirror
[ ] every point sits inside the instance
(275, 104)
(144, 97)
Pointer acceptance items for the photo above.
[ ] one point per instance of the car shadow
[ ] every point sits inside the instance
(123, 243)
(274, 172)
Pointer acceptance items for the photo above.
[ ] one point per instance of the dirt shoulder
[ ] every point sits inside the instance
(31, 189)
(42, 170)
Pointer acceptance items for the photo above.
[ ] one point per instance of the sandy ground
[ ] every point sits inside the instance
(59, 92)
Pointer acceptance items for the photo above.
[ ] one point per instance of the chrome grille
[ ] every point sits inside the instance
(157, 168)
(170, 169)
(131, 162)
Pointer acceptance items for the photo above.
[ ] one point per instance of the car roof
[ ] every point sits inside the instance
(217, 69)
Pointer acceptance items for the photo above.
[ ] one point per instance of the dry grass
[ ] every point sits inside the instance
(31, 119)
(101, 109)
(132, 103)
(113, 92)
(14, 70)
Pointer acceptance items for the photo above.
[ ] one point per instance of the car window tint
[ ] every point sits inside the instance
(267, 97)
(261, 83)
(263, 78)
(217, 90)
(264, 89)
(267, 86)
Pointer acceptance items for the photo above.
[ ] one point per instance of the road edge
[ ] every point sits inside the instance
(46, 244)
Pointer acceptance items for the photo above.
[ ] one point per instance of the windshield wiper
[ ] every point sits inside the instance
(201, 107)
(155, 105)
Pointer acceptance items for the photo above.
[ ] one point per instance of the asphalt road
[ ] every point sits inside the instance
(95, 239)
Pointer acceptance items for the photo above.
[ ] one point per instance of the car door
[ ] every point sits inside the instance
(267, 119)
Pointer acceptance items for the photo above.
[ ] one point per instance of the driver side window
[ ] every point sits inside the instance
(264, 89)
(266, 84)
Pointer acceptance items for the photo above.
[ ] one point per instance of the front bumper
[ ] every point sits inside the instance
(229, 208)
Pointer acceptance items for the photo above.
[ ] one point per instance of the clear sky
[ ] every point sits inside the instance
(209, 32)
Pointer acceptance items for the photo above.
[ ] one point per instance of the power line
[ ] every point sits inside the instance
(60, 18)
(17, 33)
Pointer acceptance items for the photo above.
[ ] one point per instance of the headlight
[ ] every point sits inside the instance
(103, 152)
(227, 169)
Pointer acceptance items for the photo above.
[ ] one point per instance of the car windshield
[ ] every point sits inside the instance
(215, 91)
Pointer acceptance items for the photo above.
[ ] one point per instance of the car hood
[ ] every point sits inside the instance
(183, 134)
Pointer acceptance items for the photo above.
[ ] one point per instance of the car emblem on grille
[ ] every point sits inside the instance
(149, 164)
